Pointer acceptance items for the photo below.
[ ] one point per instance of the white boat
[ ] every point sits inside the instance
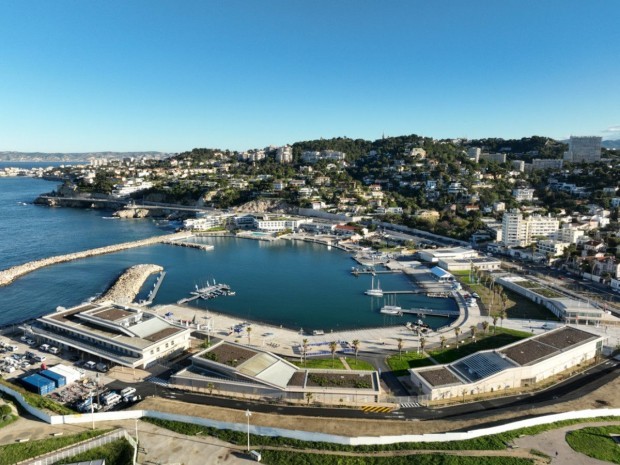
(375, 292)
(391, 310)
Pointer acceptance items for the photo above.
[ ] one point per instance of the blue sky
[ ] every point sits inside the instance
(172, 75)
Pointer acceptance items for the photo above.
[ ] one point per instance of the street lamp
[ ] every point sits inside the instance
(248, 414)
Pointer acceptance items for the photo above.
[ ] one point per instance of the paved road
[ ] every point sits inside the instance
(570, 389)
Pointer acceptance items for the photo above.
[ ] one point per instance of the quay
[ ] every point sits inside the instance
(192, 245)
(10, 274)
(155, 290)
(430, 312)
(356, 271)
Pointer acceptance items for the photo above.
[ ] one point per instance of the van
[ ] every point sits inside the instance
(12, 348)
(111, 399)
(90, 365)
(39, 358)
(255, 455)
(54, 350)
(44, 347)
(128, 391)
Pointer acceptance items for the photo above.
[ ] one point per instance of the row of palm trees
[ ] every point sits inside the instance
(333, 346)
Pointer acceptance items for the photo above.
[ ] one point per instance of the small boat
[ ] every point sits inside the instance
(391, 310)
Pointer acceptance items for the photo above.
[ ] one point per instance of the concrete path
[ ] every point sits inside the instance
(553, 443)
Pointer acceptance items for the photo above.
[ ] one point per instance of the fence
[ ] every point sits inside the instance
(75, 449)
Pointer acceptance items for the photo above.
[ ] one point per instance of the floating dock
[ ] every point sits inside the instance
(208, 292)
(153, 293)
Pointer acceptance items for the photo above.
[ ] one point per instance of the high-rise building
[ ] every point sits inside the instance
(583, 149)
(473, 153)
(284, 154)
(519, 231)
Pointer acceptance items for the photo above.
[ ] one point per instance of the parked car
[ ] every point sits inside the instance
(54, 350)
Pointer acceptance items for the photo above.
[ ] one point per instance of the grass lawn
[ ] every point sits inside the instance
(13, 453)
(400, 364)
(115, 453)
(7, 421)
(326, 363)
(596, 442)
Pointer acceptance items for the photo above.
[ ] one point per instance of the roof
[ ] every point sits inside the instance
(440, 272)
(112, 314)
(481, 365)
(547, 345)
(440, 376)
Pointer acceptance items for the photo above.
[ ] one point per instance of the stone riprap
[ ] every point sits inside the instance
(10, 274)
(127, 286)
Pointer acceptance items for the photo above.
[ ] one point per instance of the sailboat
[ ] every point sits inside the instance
(391, 308)
(375, 292)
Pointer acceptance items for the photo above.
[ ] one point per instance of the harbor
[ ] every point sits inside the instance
(208, 292)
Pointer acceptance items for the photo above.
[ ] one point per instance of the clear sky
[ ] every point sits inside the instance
(172, 75)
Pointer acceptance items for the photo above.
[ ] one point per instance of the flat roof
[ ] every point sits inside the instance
(546, 345)
(440, 376)
(111, 314)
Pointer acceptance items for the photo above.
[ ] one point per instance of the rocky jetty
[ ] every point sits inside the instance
(126, 287)
(7, 276)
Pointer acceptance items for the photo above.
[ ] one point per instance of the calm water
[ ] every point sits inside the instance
(297, 285)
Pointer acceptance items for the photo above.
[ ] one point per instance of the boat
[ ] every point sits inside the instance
(375, 292)
(391, 310)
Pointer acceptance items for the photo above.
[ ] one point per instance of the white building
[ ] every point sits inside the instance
(435, 255)
(473, 153)
(551, 247)
(521, 364)
(331, 155)
(130, 186)
(583, 149)
(523, 195)
(120, 334)
(519, 231)
(496, 157)
(547, 163)
(284, 154)
(268, 223)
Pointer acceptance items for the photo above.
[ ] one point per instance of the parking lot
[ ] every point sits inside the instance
(21, 356)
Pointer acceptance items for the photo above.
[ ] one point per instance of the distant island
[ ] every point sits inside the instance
(74, 157)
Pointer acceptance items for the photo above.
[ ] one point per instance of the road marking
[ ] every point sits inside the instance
(158, 381)
(376, 409)
(409, 405)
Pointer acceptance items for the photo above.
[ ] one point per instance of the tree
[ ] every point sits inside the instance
(495, 318)
(309, 397)
(457, 331)
(332, 349)
(210, 387)
(356, 348)
(442, 341)
(485, 326)
(400, 347)
(502, 315)
(249, 331)
(304, 349)
(422, 344)
(472, 330)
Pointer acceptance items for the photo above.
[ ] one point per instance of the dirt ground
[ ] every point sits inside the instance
(363, 427)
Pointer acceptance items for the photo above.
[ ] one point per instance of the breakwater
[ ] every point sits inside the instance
(126, 287)
(10, 274)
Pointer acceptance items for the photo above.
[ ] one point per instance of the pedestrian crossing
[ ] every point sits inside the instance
(376, 409)
(158, 381)
(409, 405)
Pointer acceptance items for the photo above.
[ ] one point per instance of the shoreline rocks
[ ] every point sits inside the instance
(10, 274)
(126, 287)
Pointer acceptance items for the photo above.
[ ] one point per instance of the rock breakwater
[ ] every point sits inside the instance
(127, 286)
(10, 274)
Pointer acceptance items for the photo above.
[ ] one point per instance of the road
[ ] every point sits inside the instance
(573, 388)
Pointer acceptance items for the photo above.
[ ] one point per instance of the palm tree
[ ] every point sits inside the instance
(400, 347)
(249, 331)
(495, 318)
(472, 330)
(304, 345)
(356, 348)
(485, 326)
(422, 344)
(332, 349)
(502, 315)
(442, 341)
(457, 331)
(309, 397)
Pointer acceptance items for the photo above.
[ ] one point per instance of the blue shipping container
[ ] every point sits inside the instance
(39, 384)
(59, 380)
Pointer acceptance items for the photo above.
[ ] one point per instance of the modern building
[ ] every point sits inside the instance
(496, 157)
(473, 153)
(583, 149)
(518, 165)
(520, 232)
(550, 247)
(245, 371)
(330, 155)
(466, 264)
(118, 334)
(521, 364)
(434, 255)
(547, 163)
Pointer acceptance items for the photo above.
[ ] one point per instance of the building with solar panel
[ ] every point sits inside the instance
(521, 364)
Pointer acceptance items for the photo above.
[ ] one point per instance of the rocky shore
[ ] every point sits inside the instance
(127, 286)
(10, 274)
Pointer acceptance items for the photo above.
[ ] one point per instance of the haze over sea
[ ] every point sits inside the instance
(297, 285)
